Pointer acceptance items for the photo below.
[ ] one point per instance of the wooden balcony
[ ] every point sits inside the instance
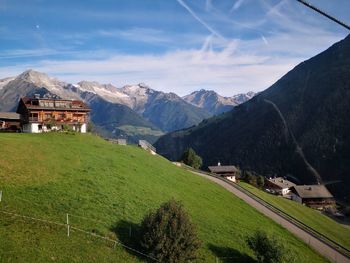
(33, 119)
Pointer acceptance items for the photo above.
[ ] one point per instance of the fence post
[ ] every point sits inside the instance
(0, 195)
(67, 225)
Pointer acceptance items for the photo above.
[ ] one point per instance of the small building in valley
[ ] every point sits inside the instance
(279, 185)
(42, 115)
(118, 141)
(10, 121)
(315, 196)
(147, 146)
(230, 172)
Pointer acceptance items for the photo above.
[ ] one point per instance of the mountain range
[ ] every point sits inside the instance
(299, 127)
(214, 103)
(133, 111)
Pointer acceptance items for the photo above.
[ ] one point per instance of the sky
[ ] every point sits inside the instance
(230, 46)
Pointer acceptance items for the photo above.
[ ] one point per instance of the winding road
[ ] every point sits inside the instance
(332, 254)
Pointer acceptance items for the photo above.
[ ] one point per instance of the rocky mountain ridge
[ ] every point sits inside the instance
(214, 103)
(138, 106)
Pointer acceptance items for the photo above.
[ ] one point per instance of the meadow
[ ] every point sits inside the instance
(311, 217)
(107, 189)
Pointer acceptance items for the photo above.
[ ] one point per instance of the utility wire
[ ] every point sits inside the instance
(324, 14)
(80, 230)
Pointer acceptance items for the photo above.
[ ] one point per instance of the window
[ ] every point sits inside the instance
(46, 104)
(33, 116)
(62, 104)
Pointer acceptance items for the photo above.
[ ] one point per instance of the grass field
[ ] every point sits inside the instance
(308, 216)
(112, 187)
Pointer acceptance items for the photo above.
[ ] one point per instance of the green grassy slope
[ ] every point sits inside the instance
(49, 175)
(311, 217)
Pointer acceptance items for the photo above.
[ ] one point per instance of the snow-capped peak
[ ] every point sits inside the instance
(213, 102)
(4, 81)
(40, 80)
(140, 90)
(106, 91)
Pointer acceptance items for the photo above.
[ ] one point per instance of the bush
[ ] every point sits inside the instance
(168, 235)
(268, 249)
(190, 158)
(254, 179)
(260, 181)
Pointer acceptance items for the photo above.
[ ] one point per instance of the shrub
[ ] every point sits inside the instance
(254, 179)
(168, 235)
(260, 181)
(190, 158)
(267, 249)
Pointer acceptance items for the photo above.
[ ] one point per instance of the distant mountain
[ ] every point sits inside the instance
(167, 111)
(26, 84)
(105, 91)
(299, 127)
(115, 120)
(214, 103)
(141, 111)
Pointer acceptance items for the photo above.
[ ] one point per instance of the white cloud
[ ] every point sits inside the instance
(239, 66)
(236, 5)
(147, 35)
(228, 71)
(228, 64)
(264, 40)
(24, 53)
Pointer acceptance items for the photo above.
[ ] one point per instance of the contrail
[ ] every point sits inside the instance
(298, 149)
(181, 2)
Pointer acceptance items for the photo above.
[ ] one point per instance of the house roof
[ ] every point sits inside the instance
(50, 104)
(9, 115)
(223, 169)
(312, 191)
(281, 182)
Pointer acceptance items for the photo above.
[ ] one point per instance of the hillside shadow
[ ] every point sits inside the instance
(128, 233)
(230, 255)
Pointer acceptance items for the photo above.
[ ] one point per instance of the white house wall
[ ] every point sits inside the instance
(31, 128)
(34, 128)
(83, 128)
(231, 178)
(285, 191)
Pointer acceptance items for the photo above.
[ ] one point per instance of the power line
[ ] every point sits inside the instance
(324, 14)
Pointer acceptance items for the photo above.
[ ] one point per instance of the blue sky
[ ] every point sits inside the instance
(172, 45)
